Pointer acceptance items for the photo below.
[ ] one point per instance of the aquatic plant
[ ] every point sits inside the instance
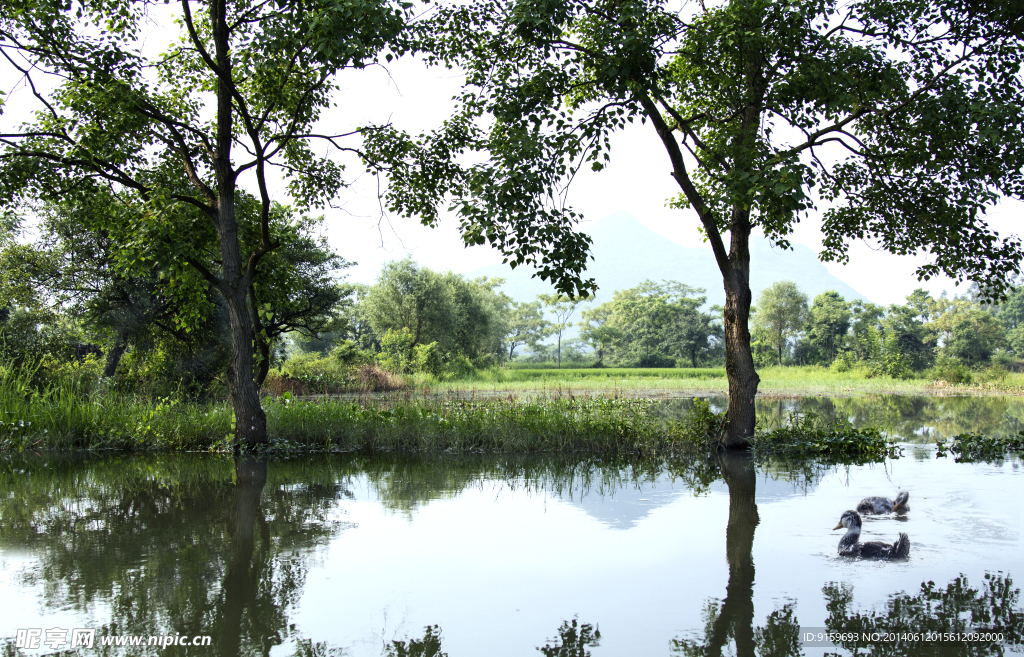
(808, 435)
(968, 447)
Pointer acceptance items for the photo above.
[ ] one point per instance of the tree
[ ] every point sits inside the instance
(967, 332)
(692, 334)
(908, 132)
(562, 307)
(177, 133)
(462, 317)
(914, 338)
(599, 332)
(1011, 316)
(77, 268)
(526, 325)
(827, 323)
(866, 324)
(781, 312)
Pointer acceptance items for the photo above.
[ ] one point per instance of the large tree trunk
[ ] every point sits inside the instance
(739, 361)
(250, 420)
(114, 355)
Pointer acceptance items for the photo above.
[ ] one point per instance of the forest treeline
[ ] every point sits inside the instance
(75, 303)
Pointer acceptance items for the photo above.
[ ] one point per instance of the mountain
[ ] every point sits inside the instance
(626, 252)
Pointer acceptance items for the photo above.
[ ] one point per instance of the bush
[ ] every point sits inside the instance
(309, 373)
(951, 371)
(426, 359)
(395, 350)
(656, 360)
(350, 354)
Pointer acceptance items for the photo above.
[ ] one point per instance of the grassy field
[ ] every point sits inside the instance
(634, 382)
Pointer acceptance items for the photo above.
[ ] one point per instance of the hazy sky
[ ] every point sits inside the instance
(637, 181)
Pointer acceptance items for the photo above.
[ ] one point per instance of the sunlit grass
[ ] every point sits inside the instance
(637, 382)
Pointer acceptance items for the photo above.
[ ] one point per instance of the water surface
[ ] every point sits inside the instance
(346, 554)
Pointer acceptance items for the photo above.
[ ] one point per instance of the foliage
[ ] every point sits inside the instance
(781, 314)
(525, 325)
(463, 317)
(968, 333)
(428, 646)
(828, 321)
(969, 447)
(573, 640)
(809, 435)
(653, 324)
(396, 350)
(950, 371)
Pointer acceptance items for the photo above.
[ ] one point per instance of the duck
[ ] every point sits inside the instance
(850, 545)
(879, 505)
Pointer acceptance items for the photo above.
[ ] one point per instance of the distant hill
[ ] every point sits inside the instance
(626, 252)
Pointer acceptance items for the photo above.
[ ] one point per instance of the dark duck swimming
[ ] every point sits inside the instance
(850, 545)
(880, 505)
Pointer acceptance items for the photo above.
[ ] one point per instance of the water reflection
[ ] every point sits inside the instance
(911, 418)
(733, 618)
(194, 545)
(171, 545)
(957, 608)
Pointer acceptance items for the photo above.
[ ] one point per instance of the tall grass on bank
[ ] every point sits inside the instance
(59, 419)
(71, 413)
(64, 417)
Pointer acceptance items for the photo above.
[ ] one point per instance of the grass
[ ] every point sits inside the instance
(67, 416)
(64, 417)
(510, 411)
(637, 382)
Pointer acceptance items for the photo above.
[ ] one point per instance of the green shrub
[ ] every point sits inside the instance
(968, 447)
(951, 371)
(395, 350)
(349, 353)
(657, 360)
(426, 359)
(809, 435)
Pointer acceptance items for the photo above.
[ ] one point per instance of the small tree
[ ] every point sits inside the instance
(781, 313)
(562, 307)
(526, 325)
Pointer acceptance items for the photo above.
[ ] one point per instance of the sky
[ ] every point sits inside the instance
(638, 181)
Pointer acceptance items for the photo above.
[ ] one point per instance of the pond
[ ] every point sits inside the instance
(910, 418)
(349, 554)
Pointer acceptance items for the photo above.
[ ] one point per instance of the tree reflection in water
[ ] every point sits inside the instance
(958, 608)
(172, 545)
(733, 618)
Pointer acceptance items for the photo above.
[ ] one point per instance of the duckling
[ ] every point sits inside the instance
(879, 505)
(850, 545)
